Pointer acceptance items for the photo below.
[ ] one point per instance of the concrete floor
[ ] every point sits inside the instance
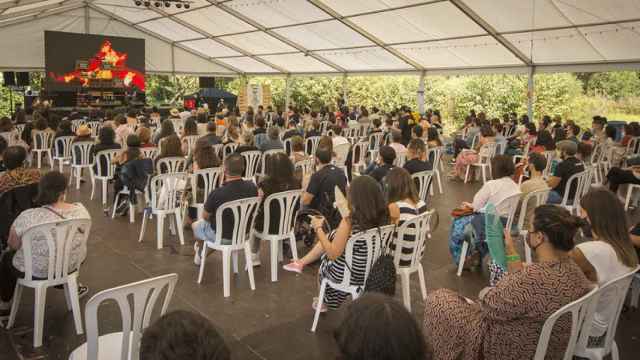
(271, 322)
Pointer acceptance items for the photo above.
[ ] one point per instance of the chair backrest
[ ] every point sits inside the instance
(218, 149)
(350, 132)
(95, 127)
(537, 198)
(63, 143)
(149, 152)
(598, 153)
(501, 146)
(251, 162)
(306, 165)
(633, 146)
(324, 126)
(400, 159)
(166, 189)
(211, 179)
(191, 143)
(342, 152)
(512, 203)
(487, 152)
(423, 179)
(105, 157)
(474, 140)
(578, 310)
(437, 156)
(311, 144)
(59, 237)
(228, 149)
(578, 181)
(359, 153)
(417, 228)
(19, 129)
(288, 203)
(375, 240)
(75, 124)
(244, 211)
(287, 145)
(265, 155)
(178, 124)
(144, 296)
(81, 153)
(42, 140)
(616, 292)
(375, 139)
(172, 164)
(10, 137)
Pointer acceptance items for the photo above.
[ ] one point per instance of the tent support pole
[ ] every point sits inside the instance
(87, 27)
(420, 93)
(530, 90)
(287, 94)
(345, 90)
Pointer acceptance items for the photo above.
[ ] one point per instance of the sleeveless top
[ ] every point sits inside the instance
(408, 211)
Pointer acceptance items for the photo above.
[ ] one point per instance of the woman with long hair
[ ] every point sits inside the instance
(166, 129)
(610, 255)
(367, 210)
(433, 137)
(170, 147)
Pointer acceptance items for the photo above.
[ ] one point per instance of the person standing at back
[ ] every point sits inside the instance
(234, 188)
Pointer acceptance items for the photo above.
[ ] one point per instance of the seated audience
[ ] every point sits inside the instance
(234, 188)
(569, 166)
(320, 193)
(246, 143)
(383, 164)
(506, 322)
(396, 142)
(169, 147)
(204, 157)
(83, 133)
(17, 174)
(132, 171)
(144, 134)
(270, 141)
(417, 157)
(433, 137)
(122, 129)
(181, 335)
(467, 157)
(292, 130)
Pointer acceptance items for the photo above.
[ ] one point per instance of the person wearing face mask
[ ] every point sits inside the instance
(569, 166)
(506, 321)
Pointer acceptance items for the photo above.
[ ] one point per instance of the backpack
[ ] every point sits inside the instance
(382, 276)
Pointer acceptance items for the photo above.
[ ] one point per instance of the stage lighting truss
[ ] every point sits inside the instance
(179, 4)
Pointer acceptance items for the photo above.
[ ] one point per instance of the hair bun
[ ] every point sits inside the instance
(576, 222)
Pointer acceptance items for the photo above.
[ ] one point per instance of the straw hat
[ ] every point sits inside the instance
(83, 130)
(174, 112)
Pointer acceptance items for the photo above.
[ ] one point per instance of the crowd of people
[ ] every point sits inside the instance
(503, 323)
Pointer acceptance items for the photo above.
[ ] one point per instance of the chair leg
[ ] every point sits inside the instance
(274, 259)
(160, 221)
(172, 229)
(614, 351)
(132, 213)
(423, 283)
(484, 174)
(406, 290)
(50, 157)
(104, 192)
(203, 256)
(235, 262)
(466, 174)
(17, 295)
(78, 176)
(38, 315)
(323, 287)
(39, 160)
(628, 199)
(463, 255)
(71, 292)
(115, 206)
(294, 247)
(143, 228)
(439, 181)
(179, 226)
(226, 272)
(60, 161)
(247, 256)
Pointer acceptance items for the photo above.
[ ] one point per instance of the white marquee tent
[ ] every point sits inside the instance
(303, 37)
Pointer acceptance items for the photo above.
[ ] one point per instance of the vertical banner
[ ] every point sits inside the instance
(254, 95)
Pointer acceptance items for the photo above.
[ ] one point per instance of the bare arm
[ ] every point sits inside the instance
(584, 264)
(394, 213)
(510, 250)
(307, 198)
(553, 181)
(335, 248)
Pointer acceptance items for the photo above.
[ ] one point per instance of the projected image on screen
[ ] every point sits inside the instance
(91, 61)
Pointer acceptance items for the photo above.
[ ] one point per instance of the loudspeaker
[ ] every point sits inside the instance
(22, 78)
(9, 78)
(207, 82)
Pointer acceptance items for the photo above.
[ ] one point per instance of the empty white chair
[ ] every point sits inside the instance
(579, 181)
(149, 152)
(287, 203)
(311, 145)
(243, 211)
(62, 150)
(579, 310)
(103, 170)
(210, 180)
(537, 198)
(170, 165)
(615, 292)
(251, 163)
(423, 181)
(435, 154)
(164, 196)
(81, 159)
(42, 143)
(59, 237)
(358, 156)
(374, 240)
(191, 143)
(124, 345)
(410, 243)
(485, 154)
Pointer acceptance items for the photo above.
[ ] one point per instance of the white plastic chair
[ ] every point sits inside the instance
(244, 211)
(311, 145)
(171, 165)
(99, 172)
(375, 139)
(287, 202)
(263, 159)
(324, 126)
(211, 179)
(417, 227)
(60, 236)
(251, 163)
(581, 181)
(539, 197)
(75, 124)
(228, 149)
(374, 240)
(42, 143)
(633, 149)
(149, 152)
(286, 143)
(306, 165)
(19, 129)
(512, 204)
(400, 159)
(630, 188)
(81, 159)
(164, 196)
(191, 143)
(358, 156)
(485, 154)
(95, 127)
(437, 164)
(597, 155)
(178, 124)
(63, 156)
(634, 300)
(525, 153)
(125, 344)
(616, 292)
(424, 180)
(579, 310)
(10, 137)
(550, 156)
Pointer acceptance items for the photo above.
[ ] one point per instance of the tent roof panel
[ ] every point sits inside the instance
(247, 64)
(509, 15)
(371, 58)
(170, 29)
(215, 21)
(186, 62)
(555, 46)
(352, 7)
(615, 42)
(593, 11)
(193, 4)
(324, 35)
(258, 43)
(32, 6)
(131, 14)
(434, 21)
(298, 63)
(210, 48)
(278, 13)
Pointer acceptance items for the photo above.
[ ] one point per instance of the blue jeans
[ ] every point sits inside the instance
(554, 197)
(202, 230)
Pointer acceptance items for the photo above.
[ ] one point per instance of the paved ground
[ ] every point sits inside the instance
(271, 322)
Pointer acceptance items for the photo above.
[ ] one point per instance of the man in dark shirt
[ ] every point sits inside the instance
(383, 164)
(417, 160)
(569, 166)
(292, 131)
(234, 188)
(320, 193)
(211, 138)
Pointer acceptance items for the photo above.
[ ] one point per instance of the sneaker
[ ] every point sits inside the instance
(123, 208)
(255, 259)
(294, 266)
(196, 257)
(82, 290)
(314, 305)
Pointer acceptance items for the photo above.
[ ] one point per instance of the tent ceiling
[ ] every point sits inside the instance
(232, 37)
